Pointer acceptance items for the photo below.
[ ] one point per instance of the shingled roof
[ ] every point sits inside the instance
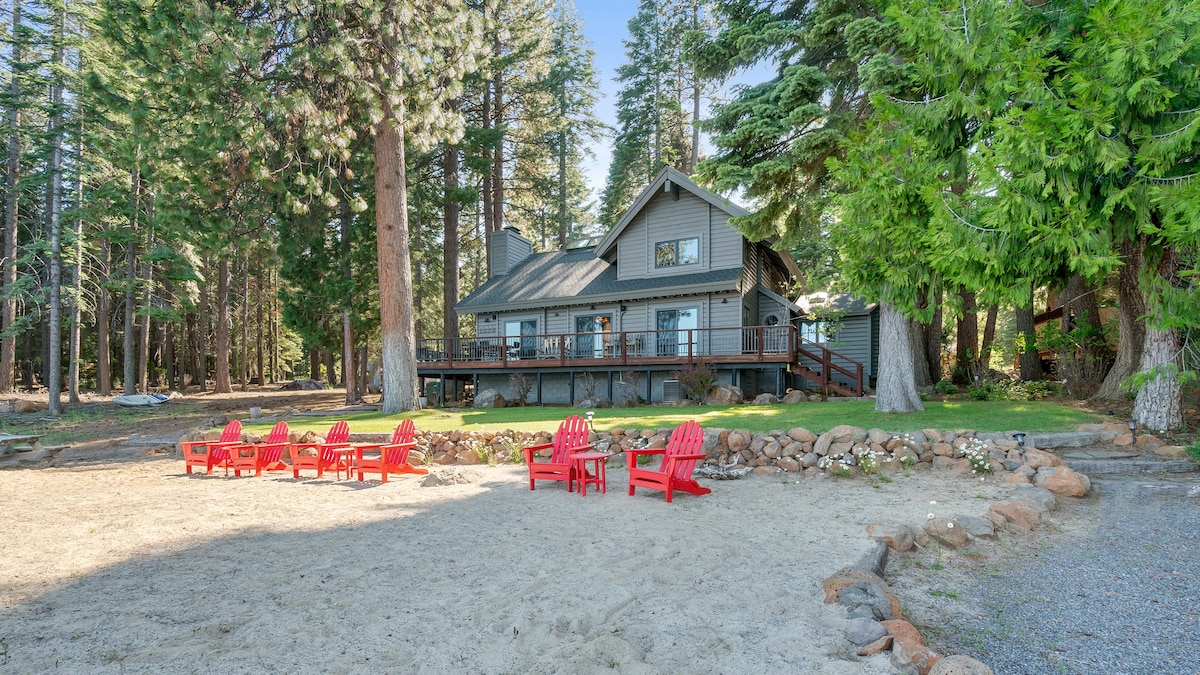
(577, 276)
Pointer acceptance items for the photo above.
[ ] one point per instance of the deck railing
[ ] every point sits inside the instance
(755, 343)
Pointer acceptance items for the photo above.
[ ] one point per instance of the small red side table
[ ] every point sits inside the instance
(579, 462)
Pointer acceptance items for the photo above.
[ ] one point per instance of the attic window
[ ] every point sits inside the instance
(677, 252)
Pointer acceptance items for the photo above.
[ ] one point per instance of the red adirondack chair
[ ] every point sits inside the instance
(266, 455)
(326, 456)
(393, 457)
(212, 453)
(675, 471)
(572, 437)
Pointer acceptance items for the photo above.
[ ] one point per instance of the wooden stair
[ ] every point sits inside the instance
(831, 364)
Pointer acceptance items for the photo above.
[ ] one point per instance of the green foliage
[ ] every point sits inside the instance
(696, 379)
(1193, 451)
(945, 387)
(1009, 390)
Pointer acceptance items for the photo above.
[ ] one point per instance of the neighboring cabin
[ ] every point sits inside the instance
(846, 324)
(672, 283)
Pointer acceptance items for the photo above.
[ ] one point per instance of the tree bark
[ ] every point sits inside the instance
(201, 343)
(244, 366)
(54, 362)
(916, 342)
(258, 347)
(895, 389)
(221, 381)
(129, 364)
(966, 340)
(143, 341)
(349, 372)
(1031, 363)
(989, 337)
(450, 274)
(103, 321)
(1082, 310)
(1159, 403)
(395, 264)
(8, 305)
(933, 339)
(498, 151)
(1131, 329)
(76, 288)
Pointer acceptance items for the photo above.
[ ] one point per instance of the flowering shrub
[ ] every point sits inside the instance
(837, 463)
(976, 453)
(869, 459)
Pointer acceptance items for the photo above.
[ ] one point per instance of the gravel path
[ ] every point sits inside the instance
(1119, 594)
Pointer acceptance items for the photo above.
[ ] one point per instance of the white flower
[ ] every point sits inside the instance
(949, 525)
(931, 516)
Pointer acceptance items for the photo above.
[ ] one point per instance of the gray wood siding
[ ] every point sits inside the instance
(664, 219)
(853, 340)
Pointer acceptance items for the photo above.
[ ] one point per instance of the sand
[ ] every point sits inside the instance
(135, 566)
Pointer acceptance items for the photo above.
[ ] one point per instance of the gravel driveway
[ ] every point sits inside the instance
(1118, 592)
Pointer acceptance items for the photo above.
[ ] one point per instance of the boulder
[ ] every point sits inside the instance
(489, 398)
(945, 531)
(871, 596)
(1042, 498)
(848, 576)
(739, 440)
(883, 644)
(1038, 458)
(976, 526)
(766, 399)
(1019, 512)
(789, 465)
(304, 385)
(723, 394)
(1172, 452)
(878, 436)
(1061, 480)
(959, 665)
(897, 536)
(794, 396)
(913, 659)
(1148, 442)
(864, 631)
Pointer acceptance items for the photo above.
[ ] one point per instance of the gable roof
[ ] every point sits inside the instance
(673, 176)
(578, 276)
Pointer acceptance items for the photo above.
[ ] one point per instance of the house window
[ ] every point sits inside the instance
(591, 334)
(677, 332)
(814, 331)
(519, 340)
(677, 252)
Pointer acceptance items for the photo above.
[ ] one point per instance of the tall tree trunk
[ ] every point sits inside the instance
(498, 151)
(1031, 362)
(76, 288)
(331, 374)
(694, 156)
(1082, 310)
(349, 372)
(54, 365)
(258, 344)
(244, 366)
(8, 305)
(128, 367)
(202, 321)
(916, 342)
(563, 225)
(103, 321)
(488, 196)
(1159, 403)
(395, 264)
(143, 341)
(966, 340)
(168, 351)
(221, 382)
(1131, 330)
(989, 336)
(314, 364)
(274, 317)
(895, 389)
(192, 321)
(450, 274)
(933, 338)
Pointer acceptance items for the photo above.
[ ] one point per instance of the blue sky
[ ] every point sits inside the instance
(605, 27)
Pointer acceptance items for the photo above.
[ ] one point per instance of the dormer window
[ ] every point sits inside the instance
(677, 252)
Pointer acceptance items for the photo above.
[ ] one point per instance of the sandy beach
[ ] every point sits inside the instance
(135, 566)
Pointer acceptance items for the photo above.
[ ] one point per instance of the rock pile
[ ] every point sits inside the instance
(875, 616)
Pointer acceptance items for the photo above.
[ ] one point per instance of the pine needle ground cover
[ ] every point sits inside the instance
(1030, 416)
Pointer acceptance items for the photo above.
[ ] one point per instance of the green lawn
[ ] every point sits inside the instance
(1033, 416)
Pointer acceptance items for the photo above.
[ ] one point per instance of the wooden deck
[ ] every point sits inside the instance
(738, 346)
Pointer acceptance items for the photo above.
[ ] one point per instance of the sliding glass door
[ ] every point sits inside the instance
(677, 331)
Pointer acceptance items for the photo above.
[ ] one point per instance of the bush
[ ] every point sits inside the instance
(981, 393)
(945, 387)
(696, 379)
(1193, 451)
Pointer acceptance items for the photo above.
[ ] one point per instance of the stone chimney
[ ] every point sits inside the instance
(509, 249)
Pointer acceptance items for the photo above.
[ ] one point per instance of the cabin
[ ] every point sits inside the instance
(845, 323)
(671, 284)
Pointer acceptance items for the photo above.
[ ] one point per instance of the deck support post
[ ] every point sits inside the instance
(539, 387)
